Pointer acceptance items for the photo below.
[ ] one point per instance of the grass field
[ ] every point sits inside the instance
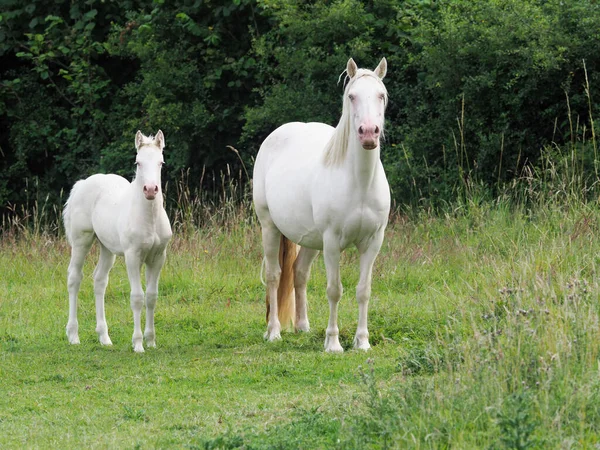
(484, 325)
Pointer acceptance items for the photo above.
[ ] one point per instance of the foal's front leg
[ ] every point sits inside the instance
(133, 260)
(153, 269)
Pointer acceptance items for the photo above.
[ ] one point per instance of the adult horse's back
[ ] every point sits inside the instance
(127, 219)
(324, 188)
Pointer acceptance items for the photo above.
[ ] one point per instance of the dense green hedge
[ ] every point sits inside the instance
(477, 87)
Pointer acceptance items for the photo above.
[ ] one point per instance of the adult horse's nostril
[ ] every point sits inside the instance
(376, 129)
(361, 130)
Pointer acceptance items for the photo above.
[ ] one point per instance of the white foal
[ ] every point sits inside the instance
(324, 188)
(127, 219)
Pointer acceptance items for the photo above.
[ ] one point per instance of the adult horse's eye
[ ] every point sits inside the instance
(351, 97)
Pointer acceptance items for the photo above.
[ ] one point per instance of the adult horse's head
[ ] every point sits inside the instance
(365, 99)
(149, 161)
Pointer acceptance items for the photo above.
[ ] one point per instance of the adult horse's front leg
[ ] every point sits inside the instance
(133, 262)
(331, 254)
(363, 289)
(153, 269)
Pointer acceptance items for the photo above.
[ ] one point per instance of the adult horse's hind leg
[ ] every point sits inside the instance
(105, 263)
(80, 247)
(134, 265)
(304, 260)
(153, 269)
(271, 238)
(363, 289)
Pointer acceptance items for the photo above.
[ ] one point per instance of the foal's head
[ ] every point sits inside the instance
(366, 98)
(149, 161)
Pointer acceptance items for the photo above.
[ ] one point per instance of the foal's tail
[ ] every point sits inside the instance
(286, 301)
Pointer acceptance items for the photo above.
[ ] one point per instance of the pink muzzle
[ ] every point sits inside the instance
(368, 135)
(150, 191)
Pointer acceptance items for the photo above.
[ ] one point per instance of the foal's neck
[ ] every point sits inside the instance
(148, 210)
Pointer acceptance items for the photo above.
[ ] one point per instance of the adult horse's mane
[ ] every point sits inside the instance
(336, 148)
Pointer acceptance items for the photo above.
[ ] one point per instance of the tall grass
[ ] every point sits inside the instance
(486, 309)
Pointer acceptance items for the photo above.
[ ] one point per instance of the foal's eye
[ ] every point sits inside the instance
(351, 97)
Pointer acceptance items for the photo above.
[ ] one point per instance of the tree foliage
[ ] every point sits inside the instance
(476, 88)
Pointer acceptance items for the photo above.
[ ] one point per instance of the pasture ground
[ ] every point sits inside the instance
(484, 326)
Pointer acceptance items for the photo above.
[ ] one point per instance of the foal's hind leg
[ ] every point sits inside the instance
(80, 248)
(271, 239)
(153, 269)
(105, 263)
(304, 260)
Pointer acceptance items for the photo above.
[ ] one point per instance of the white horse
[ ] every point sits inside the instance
(324, 188)
(128, 219)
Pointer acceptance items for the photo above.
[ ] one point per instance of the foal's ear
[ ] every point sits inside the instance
(381, 69)
(351, 68)
(139, 138)
(159, 140)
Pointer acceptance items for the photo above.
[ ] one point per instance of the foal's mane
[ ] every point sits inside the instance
(337, 147)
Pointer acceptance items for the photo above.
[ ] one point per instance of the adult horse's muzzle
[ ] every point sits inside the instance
(368, 136)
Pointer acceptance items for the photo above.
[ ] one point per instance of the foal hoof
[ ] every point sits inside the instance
(138, 347)
(105, 340)
(73, 333)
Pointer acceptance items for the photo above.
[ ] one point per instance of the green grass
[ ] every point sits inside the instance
(485, 326)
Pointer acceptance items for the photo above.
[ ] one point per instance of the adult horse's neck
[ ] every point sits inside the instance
(362, 163)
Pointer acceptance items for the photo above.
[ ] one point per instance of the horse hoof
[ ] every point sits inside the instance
(334, 349)
(362, 343)
(364, 346)
(272, 336)
(74, 340)
(302, 326)
(138, 348)
(105, 340)
(332, 345)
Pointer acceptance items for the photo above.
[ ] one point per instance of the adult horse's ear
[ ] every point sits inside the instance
(381, 69)
(159, 140)
(139, 138)
(351, 68)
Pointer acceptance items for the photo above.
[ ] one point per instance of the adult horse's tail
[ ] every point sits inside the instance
(286, 301)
